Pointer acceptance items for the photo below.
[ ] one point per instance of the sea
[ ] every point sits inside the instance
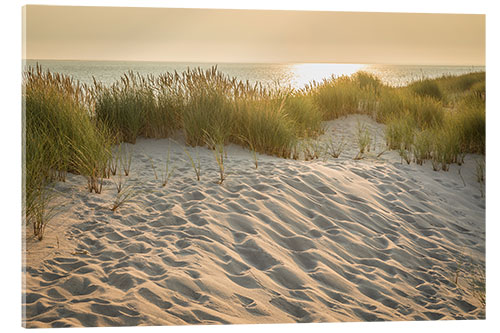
(294, 75)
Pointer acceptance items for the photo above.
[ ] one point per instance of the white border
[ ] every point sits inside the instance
(10, 235)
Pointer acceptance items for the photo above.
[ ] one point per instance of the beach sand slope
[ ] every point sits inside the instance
(292, 241)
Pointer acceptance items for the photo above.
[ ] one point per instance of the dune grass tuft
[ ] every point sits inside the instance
(123, 196)
(334, 149)
(427, 87)
(168, 171)
(266, 126)
(60, 136)
(363, 140)
(217, 145)
(195, 163)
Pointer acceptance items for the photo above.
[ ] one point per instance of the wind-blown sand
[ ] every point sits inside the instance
(293, 241)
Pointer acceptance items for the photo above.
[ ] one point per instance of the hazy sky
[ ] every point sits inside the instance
(205, 35)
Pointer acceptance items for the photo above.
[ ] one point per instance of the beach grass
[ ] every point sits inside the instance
(426, 88)
(168, 170)
(364, 140)
(123, 106)
(208, 110)
(60, 135)
(195, 163)
(218, 147)
(70, 127)
(306, 118)
(265, 126)
(335, 148)
(126, 194)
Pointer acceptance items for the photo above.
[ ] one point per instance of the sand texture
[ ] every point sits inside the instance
(292, 241)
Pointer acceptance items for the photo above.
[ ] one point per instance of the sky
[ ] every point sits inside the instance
(268, 36)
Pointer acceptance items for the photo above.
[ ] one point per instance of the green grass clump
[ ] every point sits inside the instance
(265, 125)
(393, 103)
(400, 133)
(164, 119)
(367, 81)
(305, 116)
(364, 140)
(445, 148)
(125, 107)
(443, 129)
(37, 169)
(219, 153)
(340, 96)
(426, 111)
(336, 97)
(426, 88)
(390, 104)
(206, 105)
(60, 136)
(91, 158)
(459, 84)
(139, 106)
(470, 123)
(207, 110)
(422, 146)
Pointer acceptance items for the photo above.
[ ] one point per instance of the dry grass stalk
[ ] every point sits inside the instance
(195, 164)
(219, 152)
(126, 159)
(168, 171)
(122, 197)
(335, 149)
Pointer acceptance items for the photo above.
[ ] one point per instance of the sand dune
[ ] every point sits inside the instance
(293, 241)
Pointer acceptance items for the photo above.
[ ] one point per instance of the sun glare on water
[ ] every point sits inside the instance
(306, 73)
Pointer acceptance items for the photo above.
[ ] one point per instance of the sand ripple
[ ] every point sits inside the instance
(294, 241)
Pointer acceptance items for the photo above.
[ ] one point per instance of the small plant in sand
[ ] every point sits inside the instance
(113, 163)
(364, 140)
(126, 158)
(124, 193)
(153, 167)
(252, 149)
(436, 161)
(167, 171)
(196, 164)
(219, 152)
(311, 149)
(123, 196)
(295, 151)
(445, 166)
(381, 152)
(119, 182)
(334, 149)
(460, 157)
(470, 277)
(95, 182)
(405, 155)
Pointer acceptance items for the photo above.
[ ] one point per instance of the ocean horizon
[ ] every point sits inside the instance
(296, 75)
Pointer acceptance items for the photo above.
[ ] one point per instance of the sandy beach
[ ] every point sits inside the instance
(326, 240)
